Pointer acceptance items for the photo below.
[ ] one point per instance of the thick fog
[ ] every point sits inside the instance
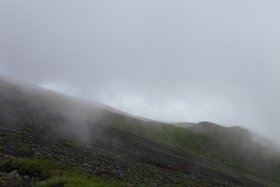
(165, 60)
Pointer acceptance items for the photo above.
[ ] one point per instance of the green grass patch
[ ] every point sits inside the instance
(69, 143)
(51, 173)
(77, 181)
(40, 167)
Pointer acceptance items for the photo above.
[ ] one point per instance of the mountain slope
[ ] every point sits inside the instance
(114, 148)
(232, 149)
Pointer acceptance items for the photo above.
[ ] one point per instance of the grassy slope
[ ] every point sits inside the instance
(231, 150)
(36, 124)
(53, 173)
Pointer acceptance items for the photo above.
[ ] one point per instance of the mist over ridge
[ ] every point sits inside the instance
(168, 61)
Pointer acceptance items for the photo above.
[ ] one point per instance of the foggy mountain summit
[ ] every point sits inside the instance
(163, 60)
(139, 93)
(50, 139)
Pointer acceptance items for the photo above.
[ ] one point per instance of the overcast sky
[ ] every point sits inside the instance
(168, 60)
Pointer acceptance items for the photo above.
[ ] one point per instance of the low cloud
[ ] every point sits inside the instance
(166, 60)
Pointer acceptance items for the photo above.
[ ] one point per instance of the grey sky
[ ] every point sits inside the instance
(168, 60)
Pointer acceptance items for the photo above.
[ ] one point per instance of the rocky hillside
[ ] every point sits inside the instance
(48, 139)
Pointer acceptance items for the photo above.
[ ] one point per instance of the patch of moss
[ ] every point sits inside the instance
(68, 143)
(39, 167)
(53, 173)
(24, 149)
(77, 181)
